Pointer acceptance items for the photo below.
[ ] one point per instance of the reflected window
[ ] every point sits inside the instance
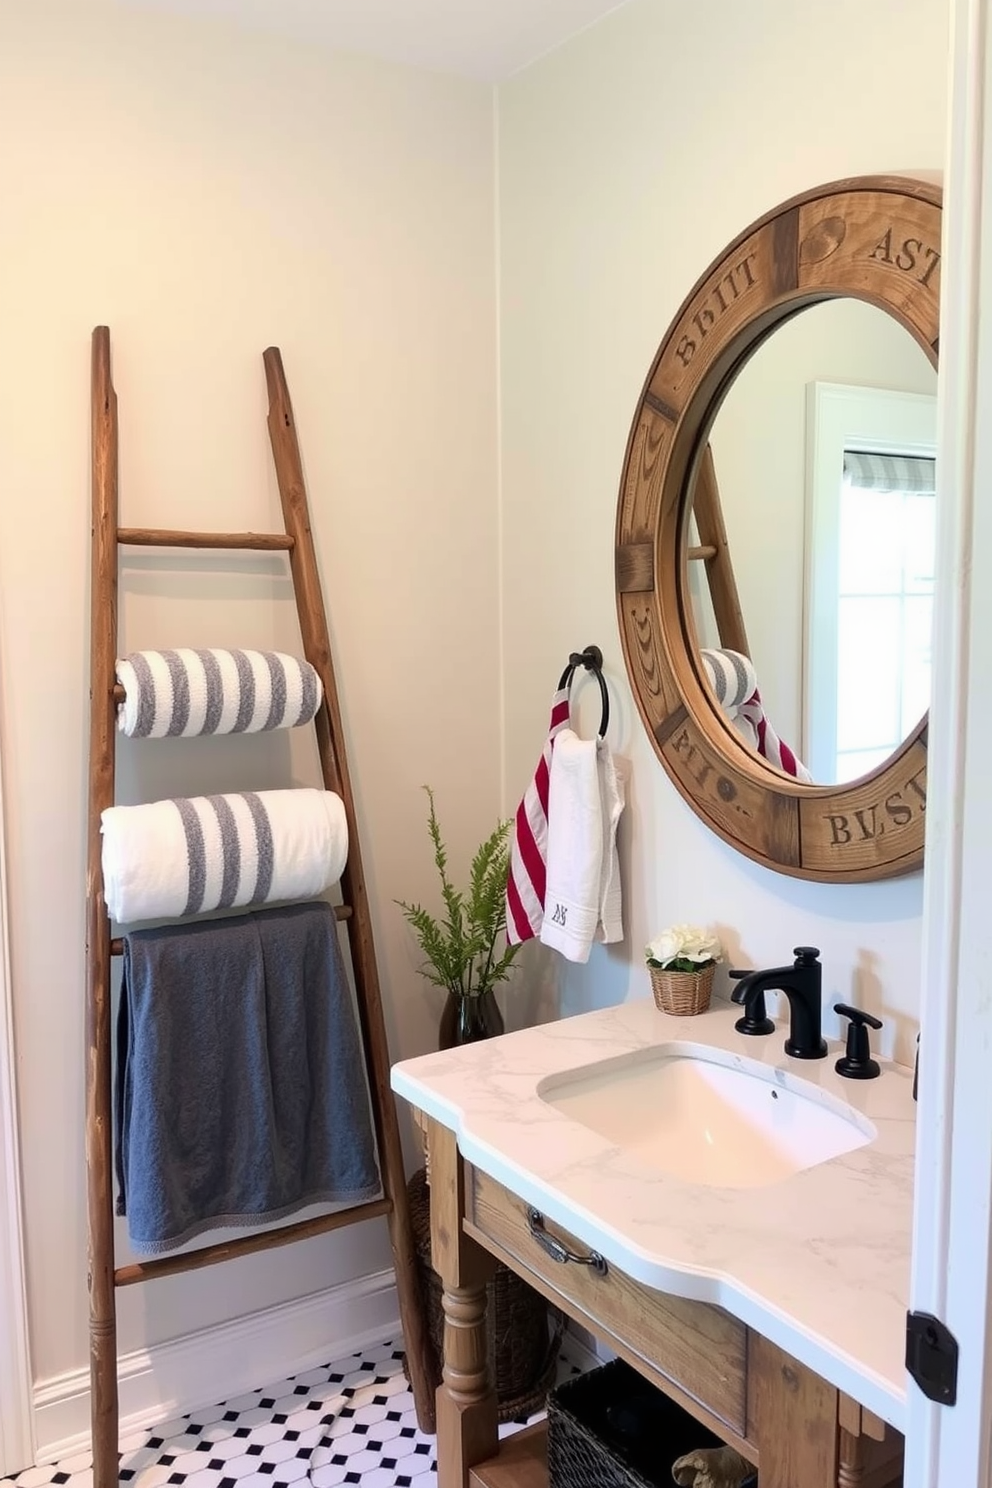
(872, 513)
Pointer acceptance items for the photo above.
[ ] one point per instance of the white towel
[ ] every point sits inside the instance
(585, 799)
(182, 693)
(186, 856)
(612, 795)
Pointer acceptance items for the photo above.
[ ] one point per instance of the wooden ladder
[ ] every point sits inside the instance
(297, 541)
(713, 552)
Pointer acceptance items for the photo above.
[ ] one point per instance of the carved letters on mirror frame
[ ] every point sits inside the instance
(876, 238)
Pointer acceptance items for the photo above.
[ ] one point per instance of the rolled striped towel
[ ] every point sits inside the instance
(182, 693)
(172, 858)
(733, 679)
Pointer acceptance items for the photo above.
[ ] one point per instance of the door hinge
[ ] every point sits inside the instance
(932, 1357)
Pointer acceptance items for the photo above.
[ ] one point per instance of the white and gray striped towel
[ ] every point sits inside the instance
(182, 693)
(172, 858)
(732, 677)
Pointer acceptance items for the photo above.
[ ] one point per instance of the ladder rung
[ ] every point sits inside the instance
(260, 1240)
(163, 537)
(706, 552)
(341, 912)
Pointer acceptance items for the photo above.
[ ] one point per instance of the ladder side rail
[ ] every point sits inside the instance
(330, 743)
(99, 1139)
(714, 549)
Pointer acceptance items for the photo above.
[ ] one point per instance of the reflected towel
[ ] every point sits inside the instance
(241, 1094)
(183, 693)
(187, 856)
(732, 676)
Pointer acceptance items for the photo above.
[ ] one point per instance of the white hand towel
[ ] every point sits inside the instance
(612, 793)
(182, 857)
(575, 847)
(182, 693)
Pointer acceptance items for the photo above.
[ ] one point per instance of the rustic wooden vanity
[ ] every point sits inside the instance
(770, 1305)
(799, 1430)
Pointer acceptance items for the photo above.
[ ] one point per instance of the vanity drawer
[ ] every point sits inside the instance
(698, 1348)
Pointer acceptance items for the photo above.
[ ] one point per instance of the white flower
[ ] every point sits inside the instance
(683, 943)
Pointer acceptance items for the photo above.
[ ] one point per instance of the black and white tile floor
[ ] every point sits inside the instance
(348, 1422)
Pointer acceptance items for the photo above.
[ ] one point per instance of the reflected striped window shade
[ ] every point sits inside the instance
(915, 473)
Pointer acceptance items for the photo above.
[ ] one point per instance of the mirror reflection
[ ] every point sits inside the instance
(811, 542)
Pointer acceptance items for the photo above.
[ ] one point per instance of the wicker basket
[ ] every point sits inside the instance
(610, 1428)
(524, 1333)
(682, 992)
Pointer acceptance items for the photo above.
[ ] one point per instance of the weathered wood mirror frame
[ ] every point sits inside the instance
(877, 239)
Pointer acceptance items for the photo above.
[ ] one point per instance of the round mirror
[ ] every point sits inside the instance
(775, 533)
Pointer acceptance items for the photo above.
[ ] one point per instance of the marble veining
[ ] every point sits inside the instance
(818, 1261)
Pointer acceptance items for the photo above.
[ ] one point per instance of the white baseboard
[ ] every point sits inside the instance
(169, 1379)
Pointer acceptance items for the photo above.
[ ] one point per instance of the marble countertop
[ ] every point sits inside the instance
(818, 1262)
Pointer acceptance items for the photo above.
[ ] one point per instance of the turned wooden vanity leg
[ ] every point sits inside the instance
(792, 1418)
(869, 1451)
(466, 1399)
(851, 1466)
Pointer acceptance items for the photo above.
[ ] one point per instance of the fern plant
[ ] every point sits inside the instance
(462, 949)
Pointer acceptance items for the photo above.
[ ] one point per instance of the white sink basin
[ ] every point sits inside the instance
(708, 1116)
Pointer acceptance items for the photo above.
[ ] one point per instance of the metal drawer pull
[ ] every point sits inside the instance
(559, 1252)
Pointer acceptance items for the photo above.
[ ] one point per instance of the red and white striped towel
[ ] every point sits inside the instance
(526, 882)
(733, 679)
(774, 749)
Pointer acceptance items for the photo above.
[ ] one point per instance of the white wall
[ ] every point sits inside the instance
(206, 193)
(628, 159)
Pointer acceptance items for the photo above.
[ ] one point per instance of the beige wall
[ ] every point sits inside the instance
(207, 192)
(628, 159)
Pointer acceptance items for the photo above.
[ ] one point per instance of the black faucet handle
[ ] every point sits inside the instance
(755, 1020)
(857, 1063)
(735, 976)
(806, 955)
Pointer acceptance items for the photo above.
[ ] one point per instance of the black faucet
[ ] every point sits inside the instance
(801, 985)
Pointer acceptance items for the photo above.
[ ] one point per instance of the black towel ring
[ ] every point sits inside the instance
(592, 659)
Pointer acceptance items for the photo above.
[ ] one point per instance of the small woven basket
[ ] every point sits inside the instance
(682, 993)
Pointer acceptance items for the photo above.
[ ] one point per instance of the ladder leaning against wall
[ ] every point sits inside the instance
(108, 537)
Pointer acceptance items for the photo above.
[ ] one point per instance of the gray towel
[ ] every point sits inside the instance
(241, 1092)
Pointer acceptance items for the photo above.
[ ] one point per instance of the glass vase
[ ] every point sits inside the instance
(465, 1020)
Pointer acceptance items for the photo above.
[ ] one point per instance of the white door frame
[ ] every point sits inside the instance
(951, 1277)
(17, 1445)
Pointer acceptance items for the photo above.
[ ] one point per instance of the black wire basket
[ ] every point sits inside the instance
(610, 1428)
